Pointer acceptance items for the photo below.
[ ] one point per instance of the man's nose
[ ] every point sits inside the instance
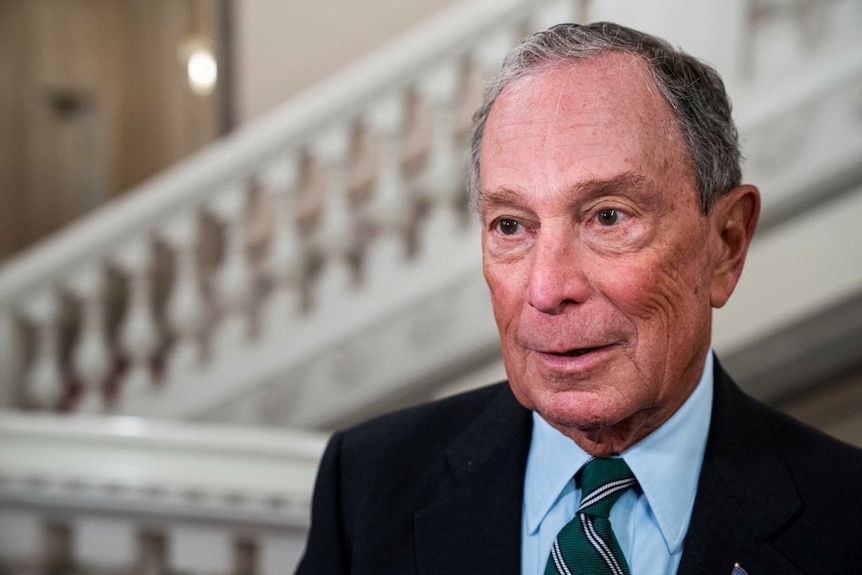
(557, 274)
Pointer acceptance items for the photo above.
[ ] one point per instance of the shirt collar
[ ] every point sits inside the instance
(666, 464)
(552, 463)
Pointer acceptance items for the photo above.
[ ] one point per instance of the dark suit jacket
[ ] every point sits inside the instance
(438, 489)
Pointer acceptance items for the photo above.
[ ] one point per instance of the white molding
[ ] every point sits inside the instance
(158, 468)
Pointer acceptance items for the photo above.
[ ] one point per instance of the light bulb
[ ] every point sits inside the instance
(203, 72)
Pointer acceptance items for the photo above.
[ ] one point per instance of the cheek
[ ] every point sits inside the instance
(661, 293)
(507, 293)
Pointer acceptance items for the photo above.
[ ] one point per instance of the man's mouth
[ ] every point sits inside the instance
(577, 352)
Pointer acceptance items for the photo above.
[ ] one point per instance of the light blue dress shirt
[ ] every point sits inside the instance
(650, 522)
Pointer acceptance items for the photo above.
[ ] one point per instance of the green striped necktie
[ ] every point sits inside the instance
(586, 545)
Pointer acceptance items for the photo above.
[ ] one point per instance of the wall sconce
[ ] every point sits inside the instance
(201, 66)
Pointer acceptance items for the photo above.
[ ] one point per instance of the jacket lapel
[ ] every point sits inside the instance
(745, 492)
(474, 524)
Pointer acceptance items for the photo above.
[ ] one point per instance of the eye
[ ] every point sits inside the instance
(607, 217)
(508, 226)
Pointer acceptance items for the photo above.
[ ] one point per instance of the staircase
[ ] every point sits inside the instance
(291, 240)
(321, 265)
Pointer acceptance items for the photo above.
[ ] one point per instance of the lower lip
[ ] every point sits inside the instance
(575, 363)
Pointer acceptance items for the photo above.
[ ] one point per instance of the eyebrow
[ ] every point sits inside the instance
(586, 189)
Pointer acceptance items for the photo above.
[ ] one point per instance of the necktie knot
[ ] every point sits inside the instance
(603, 481)
(587, 543)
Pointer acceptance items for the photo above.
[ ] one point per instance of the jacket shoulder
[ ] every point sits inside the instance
(804, 482)
(433, 424)
(375, 477)
(819, 461)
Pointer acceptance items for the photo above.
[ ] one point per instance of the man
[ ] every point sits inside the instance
(606, 177)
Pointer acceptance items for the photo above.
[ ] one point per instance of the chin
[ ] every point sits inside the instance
(583, 411)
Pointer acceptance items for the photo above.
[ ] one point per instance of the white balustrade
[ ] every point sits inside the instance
(185, 310)
(337, 236)
(44, 382)
(284, 263)
(443, 180)
(91, 356)
(233, 283)
(126, 492)
(138, 332)
(100, 542)
(389, 210)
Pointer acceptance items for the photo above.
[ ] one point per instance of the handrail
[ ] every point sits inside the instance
(211, 470)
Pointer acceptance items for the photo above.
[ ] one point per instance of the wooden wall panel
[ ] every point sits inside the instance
(94, 100)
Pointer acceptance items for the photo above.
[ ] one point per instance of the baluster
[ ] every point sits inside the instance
(442, 180)
(555, 13)
(138, 330)
(91, 357)
(21, 533)
(185, 306)
(104, 544)
(233, 283)
(389, 210)
(44, 380)
(199, 549)
(284, 264)
(336, 236)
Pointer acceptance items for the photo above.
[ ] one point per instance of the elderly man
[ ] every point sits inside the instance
(607, 181)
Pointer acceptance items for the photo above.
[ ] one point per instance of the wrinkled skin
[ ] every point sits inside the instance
(602, 268)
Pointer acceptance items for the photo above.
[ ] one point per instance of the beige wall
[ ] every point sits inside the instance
(93, 100)
(283, 46)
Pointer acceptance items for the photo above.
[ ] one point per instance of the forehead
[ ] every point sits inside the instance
(604, 114)
(614, 83)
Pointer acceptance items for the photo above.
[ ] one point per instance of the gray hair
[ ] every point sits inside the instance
(693, 89)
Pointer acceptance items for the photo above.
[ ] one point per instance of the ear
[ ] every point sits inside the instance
(733, 220)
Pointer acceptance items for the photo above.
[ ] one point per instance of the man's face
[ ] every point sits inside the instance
(596, 252)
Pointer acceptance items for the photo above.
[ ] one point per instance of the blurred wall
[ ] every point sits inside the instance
(283, 47)
(94, 99)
